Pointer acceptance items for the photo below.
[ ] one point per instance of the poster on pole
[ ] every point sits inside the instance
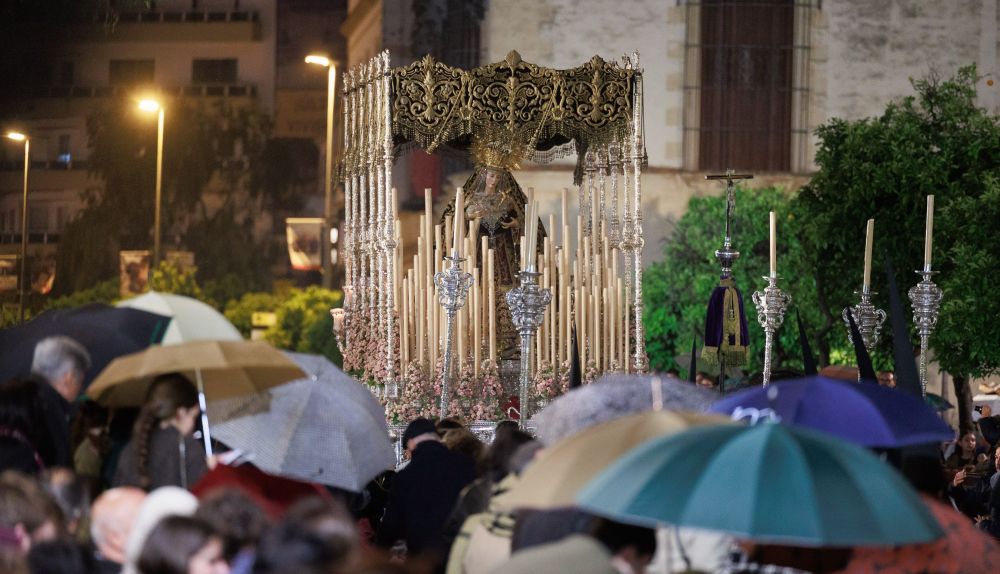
(304, 242)
(8, 273)
(134, 272)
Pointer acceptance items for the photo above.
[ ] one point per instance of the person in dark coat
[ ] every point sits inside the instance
(424, 492)
(21, 426)
(163, 451)
(62, 363)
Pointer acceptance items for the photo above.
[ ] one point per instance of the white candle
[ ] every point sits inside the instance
(459, 223)
(774, 246)
(491, 282)
(869, 237)
(928, 231)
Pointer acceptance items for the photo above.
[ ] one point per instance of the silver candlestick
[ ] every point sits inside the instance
(452, 288)
(771, 304)
(527, 308)
(868, 319)
(338, 316)
(926, 299)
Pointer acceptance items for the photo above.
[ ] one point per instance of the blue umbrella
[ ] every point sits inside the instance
(868, 415)
(106, 332)
(768, 483)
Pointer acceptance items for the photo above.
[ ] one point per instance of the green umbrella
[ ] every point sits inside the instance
(768, 483)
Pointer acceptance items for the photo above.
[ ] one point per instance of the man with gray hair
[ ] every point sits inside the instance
(61, 362)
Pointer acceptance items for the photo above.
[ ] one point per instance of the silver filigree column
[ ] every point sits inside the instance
(771, 304)
(452, 288)
(527, 304)
(926, 299)
(868, 318)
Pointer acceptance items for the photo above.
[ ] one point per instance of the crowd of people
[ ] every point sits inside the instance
(87, 490)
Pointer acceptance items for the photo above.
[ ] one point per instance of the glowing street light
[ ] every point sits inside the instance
(22, 282)
(149, 105)
(331, 90)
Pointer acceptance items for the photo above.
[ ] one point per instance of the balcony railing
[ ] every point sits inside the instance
(34, 238)
(184, 16)
(199, 90)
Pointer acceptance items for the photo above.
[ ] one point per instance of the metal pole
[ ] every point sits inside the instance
(24, 226)
(331, 89)
(159, 182)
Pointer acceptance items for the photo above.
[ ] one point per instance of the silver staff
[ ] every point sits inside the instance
(527, 307)
(926, 299)
(452, 288)
(771, 304)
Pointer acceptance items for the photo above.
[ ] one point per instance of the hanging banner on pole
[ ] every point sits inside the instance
(304, 246)
(134, 272)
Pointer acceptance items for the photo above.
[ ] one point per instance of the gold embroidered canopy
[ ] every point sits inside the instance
(512, 101)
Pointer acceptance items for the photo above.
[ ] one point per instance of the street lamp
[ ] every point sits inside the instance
(154, 106)
(20, 137)
(331, 89)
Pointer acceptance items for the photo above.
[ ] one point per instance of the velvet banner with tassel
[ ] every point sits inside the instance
(726, 334)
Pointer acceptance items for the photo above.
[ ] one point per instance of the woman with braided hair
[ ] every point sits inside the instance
(163, 451)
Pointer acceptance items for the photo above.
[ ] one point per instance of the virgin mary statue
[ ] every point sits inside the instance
(494, 197)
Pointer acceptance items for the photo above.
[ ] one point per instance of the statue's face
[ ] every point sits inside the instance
(492, 179)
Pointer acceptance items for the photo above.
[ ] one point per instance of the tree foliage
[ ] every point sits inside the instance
(938, 142)
(677, 289)
(304, 323)
(221, 178)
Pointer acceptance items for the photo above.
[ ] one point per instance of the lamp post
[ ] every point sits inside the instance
(154, 106)
(20, 137)
(331, 90)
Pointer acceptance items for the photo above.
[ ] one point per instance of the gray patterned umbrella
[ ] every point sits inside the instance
(613, 396)
(325, 428)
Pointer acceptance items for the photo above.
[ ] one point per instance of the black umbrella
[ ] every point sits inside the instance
(106, 332)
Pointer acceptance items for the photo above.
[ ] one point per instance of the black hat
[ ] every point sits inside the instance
(416, 428)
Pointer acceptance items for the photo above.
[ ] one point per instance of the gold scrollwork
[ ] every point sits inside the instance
(434, 103)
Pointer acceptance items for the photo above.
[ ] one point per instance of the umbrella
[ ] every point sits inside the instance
(106, 332)
(613, 396)
(553, 480)
(964, 549)
(274, 494)
(868, 415)
(220, 369)
(192, 319)
(769, 483)
(325, 428)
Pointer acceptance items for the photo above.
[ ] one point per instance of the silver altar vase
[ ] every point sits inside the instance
(868, 318)
(771, 304)
(452, 288)
(527, 304)
(926, 300)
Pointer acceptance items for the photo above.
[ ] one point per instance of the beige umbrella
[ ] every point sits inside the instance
(220, 369)
(563, 469)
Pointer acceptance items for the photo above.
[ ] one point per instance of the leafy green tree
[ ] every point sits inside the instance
(676, 290)
(240, 312)
(168, 278)
(938, 142)
(221, 175)
(304, 323)
(107, 292)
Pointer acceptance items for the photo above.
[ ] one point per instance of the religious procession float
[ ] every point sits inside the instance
(502, 304)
